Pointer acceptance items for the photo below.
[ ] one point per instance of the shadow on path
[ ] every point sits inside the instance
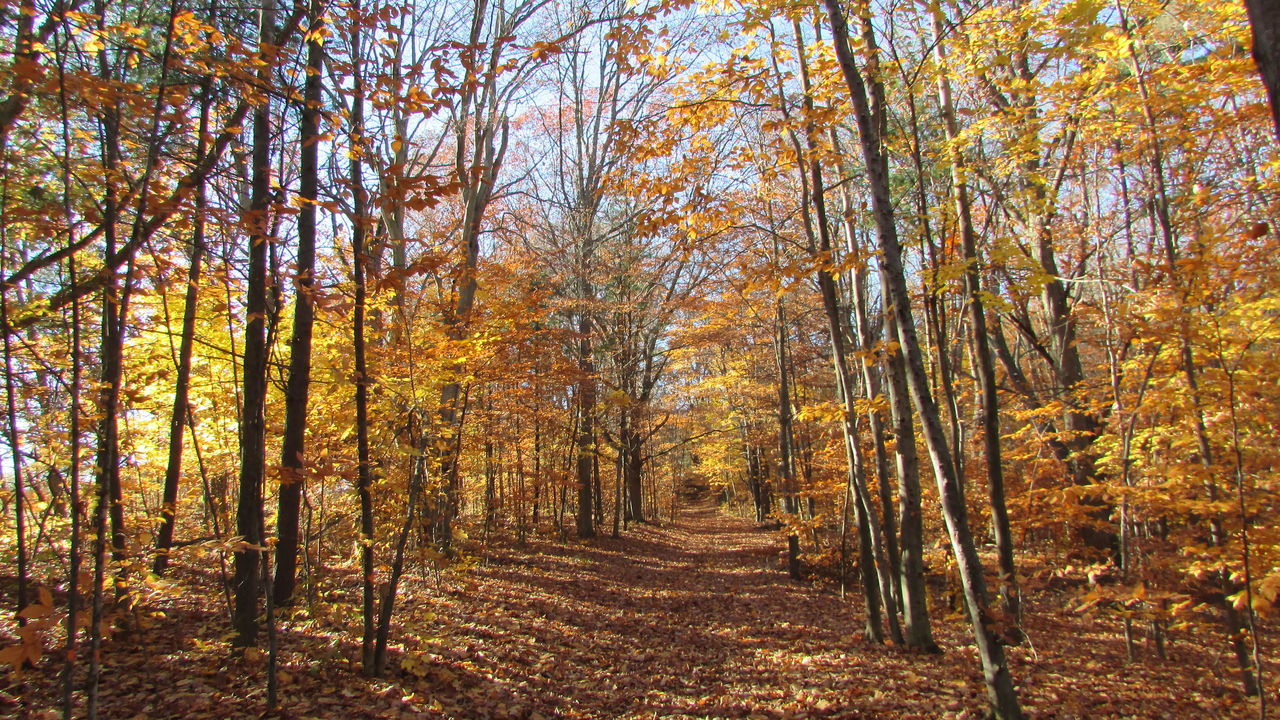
(688, 620)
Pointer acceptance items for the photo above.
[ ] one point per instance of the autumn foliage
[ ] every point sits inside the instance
(439, 352)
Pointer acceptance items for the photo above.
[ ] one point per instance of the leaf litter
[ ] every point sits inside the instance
(692, 619)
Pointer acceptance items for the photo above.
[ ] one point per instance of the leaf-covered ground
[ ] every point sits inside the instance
(694, 620)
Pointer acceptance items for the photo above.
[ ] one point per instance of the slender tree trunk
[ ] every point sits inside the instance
(77, 511)
(393, 582)
(116, 308)
(786, 464)
(96, 617)
(633, 467)
(983, 360)
(537, 468)
(873, 561)
(909, 570)
(597, 491)
(617, 495)
(359, 257)
(249, 520)
(490, 481)
(919, 631)
(1238, 473)
(181, 393)
(292, 473)
(1000, 690)
(586, 427)
(481, 139)
(108, 393)
(937, 334)
(113, 310)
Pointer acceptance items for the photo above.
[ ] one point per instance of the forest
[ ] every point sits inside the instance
(533, 359)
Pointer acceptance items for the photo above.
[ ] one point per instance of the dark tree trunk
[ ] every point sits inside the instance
(586, 428)
(77, 375)
(919, 631)
(388, 604)
(490, 484)
(537, 470)
(786, 463)
(1264, 21)
(597, 492)
(292, 476)
(632, 467)
(249, 520)
(108, 393)
(359, 262)
(181, 393)
(1000, 690)
(114, 308)
(877, 580)
(907, 557)
(77, 511)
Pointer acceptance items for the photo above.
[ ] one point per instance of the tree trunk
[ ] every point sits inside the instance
(181, 393)
(292, 477)
(249, 519)
(586, 428)
(359, 258)
(387, 608)
(633, 467)
(114, 309)
(481, 143)
(77, 511)
(915, 603)
(1264, 22)
(983, 360)
(1000, 691)
(873, 562)
(786, 465)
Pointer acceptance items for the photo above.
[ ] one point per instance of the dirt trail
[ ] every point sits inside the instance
(689, 620)
(697, 620)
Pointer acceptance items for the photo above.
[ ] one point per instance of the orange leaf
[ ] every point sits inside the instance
(13, 656)
(34, 611)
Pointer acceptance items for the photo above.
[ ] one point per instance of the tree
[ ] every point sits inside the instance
(249, 515)
(1000, 690)
(982, 356)
(293, 460)
(1264, 21)
(180, 418)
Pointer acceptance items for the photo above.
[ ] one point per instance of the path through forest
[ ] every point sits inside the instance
(697, 619)
(691, 619)
(694, 619)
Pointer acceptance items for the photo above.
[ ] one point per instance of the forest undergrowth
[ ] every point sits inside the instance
(689, 619)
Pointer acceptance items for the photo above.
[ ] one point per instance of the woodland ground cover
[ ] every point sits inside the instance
(691, 619)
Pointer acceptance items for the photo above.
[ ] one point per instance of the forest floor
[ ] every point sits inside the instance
(689, 620)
